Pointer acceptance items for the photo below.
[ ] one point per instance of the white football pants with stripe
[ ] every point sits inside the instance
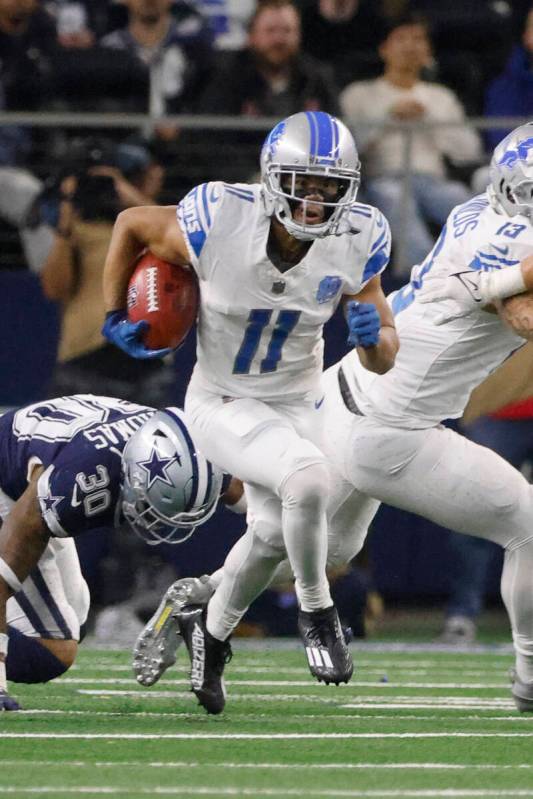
(274, 449)
(440, 475)
(54, 600)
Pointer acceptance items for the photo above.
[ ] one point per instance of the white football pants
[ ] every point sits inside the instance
(54, 600)
(274, 449)
(440, 475)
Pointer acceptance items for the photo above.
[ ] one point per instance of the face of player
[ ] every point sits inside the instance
(275, 35)
(406, 48)
(314, 190)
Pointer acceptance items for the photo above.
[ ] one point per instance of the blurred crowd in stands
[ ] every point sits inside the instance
(375, 62)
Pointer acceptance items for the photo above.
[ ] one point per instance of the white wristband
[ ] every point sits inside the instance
(503, 283)
(4, 639)
(3, 678)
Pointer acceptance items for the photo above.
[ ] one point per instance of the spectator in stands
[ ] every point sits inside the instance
(229, 21)
(72, 275)
(511, 93)
(345, 34)
(28, 47)
(176, 47)
(401, 96)
(271, 76)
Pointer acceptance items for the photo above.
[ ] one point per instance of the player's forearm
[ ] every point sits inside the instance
(124, 247)
(509, 282)
(381, 357)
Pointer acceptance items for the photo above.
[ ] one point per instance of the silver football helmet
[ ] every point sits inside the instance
(309, 143)
(511, 173)
(168, 486)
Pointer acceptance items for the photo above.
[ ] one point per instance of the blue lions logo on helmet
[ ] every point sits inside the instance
(510, 157)
(273, 138)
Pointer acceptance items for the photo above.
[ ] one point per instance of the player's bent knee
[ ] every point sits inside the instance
(30, 661)
(64, 650)
(307, 486)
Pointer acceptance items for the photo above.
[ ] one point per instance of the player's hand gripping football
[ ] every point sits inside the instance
(128, 335)
(364, 324)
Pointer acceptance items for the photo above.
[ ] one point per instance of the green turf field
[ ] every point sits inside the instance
(413, 723)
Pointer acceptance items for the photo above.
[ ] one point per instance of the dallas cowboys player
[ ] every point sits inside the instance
(273, 260)
(69, 466)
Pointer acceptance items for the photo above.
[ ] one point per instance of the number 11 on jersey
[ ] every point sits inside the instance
(258, 320)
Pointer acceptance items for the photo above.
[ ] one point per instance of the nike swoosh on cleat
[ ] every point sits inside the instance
(319, 402)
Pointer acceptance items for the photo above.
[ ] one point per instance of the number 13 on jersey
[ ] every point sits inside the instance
(258, 320)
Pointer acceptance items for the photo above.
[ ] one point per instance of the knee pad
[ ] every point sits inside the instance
(29, 661)
(308, 485)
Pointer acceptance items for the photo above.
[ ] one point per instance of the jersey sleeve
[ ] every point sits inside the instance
(79, 495)
(379, 248)
(196, 214)
(510, 245)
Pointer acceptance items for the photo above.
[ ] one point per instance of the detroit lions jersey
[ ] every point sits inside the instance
(437, 368)
(260, 330)
(79, 440)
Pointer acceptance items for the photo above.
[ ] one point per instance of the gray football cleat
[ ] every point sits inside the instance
(156, 647)
(522, 693)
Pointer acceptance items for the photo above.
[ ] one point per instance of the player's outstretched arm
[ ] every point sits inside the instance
(23, 539)
(371, 327)
(152, 227)
(472, 288)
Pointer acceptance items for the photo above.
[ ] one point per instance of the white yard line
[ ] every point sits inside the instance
(271, 766)
(310, 683)
(254, 792)
(250, 736)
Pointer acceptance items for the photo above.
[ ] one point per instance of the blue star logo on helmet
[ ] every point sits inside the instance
(156, 467)
(510, 157)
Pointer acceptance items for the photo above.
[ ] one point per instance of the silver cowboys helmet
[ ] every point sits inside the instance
(168, 486)
(511, 173)
(309, 143)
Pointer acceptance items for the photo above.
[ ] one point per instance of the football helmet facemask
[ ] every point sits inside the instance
(169, 488)
(511, 173)
(310, 172)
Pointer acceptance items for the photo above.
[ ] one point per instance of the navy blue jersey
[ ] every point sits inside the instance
(79, 440)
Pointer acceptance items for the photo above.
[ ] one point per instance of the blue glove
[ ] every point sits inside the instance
(128, 335)
(7, 703)
(364, 324)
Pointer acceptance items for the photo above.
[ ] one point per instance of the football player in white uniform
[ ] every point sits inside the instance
(73, 465)
(383, 433)
(273, 261)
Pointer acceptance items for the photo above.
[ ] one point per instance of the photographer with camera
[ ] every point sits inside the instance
(89, 200)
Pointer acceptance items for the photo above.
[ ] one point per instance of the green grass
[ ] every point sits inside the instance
(413, 723)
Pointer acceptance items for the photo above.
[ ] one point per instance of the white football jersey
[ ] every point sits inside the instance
(260, 330)
(437, 368)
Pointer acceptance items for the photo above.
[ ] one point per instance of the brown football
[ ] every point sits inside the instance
(166, 296)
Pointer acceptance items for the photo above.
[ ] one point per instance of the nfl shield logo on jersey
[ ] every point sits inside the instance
(328, 288)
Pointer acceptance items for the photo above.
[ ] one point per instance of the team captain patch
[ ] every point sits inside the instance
(328, 288)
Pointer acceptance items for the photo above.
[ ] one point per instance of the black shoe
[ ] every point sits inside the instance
(328, 656)
(208, 657)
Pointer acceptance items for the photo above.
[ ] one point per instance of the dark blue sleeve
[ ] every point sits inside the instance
(80, 490)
